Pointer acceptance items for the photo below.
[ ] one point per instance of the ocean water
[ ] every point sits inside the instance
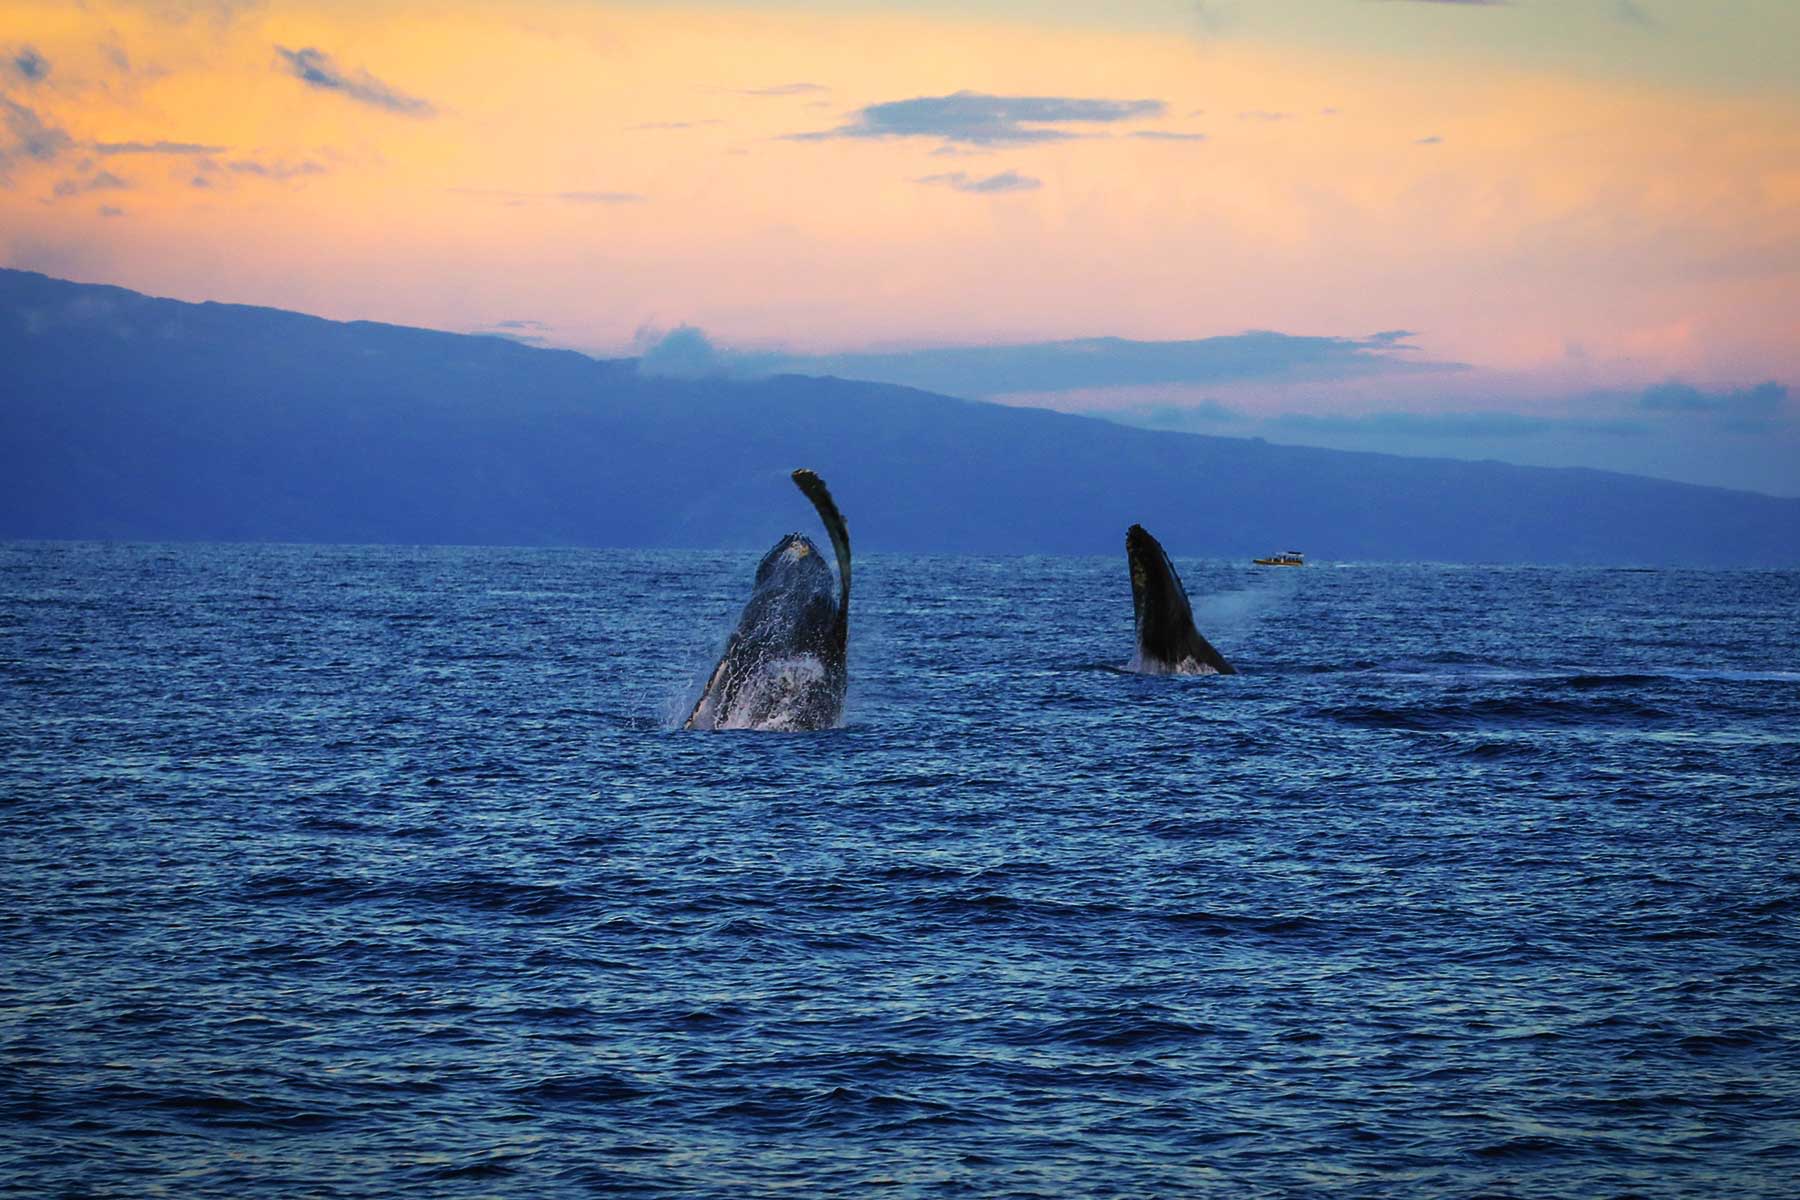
(372, 872)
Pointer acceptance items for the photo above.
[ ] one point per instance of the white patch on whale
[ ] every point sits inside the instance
(778, 695)
(1153, 666)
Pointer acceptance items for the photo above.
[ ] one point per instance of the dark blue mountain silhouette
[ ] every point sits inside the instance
(127, 417)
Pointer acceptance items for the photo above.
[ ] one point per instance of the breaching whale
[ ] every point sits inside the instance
(784, 667)
(1167, 642)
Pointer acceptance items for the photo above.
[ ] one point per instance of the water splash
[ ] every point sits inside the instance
(1139, 665)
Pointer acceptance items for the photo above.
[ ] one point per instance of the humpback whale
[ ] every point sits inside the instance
(784, 665)
(1167, 642)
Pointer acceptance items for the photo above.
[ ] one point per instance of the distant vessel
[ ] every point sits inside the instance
(1287, 558)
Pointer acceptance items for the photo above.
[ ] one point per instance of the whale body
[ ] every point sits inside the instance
(785, 665)
(1167, 642)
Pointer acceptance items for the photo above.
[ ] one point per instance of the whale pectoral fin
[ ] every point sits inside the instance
(815, 490)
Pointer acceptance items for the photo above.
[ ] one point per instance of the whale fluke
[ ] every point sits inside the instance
(785, 665)
(1167, 642)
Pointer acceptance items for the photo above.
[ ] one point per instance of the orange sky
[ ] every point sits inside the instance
(1600, 196)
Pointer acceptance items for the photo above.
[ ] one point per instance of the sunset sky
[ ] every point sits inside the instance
(1545, 231)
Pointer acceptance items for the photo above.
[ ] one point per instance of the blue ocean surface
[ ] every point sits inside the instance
(369, 872)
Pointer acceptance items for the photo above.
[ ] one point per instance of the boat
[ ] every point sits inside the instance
(1287, 558)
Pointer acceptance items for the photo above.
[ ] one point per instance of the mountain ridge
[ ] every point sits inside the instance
(128, 417)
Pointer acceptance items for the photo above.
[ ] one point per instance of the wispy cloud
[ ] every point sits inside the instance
(1670, 409)
(100, 181)
(977, 119)
(1432, 140)
(1005, 181)
(214, 173)
(27, 65)
(600, 197)
(108, 210)
(573, 197)
(1092, 363)
(1048, 367)
(1167, 135)
(154, 148)
(315, 68)
(1263, 114)
(1746, 409)
(529, 333)
(685, 352)
(1203, 414)
(1454, 424)
(276, 170)
(28, 136)
(219, 13)
(660, 125)
(785, 89)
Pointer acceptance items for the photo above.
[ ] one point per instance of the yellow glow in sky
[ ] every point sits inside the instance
(602, 169)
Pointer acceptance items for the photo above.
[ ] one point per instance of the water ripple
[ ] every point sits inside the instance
(360, 872)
